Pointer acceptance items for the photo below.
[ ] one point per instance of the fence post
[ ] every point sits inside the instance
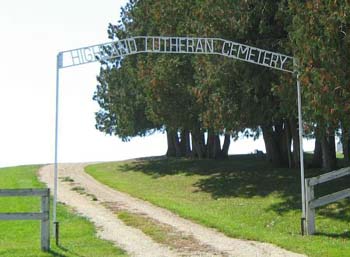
(310, 212)
(45, 221)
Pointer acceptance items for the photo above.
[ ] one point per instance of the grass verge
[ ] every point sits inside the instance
(243, 197)
(22, 238)
(147, 226)
(159, 232)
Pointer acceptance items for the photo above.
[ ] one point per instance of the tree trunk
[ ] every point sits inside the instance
(346, 151)
(317, 158)
(171, 152)
(213, 148)
(273, 154)
(177, 144)
(185, 143)
(289, 143)
(329, 160)
(217, 147)
(225, 146)
(296, 142)
(277, 143)
(198, 144)
(188, 144)
(268, 140)
(346, 144)
(284, 143)
(209, 148)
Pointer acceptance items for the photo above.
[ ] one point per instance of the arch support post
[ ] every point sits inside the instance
(301, 151)
(59, 64)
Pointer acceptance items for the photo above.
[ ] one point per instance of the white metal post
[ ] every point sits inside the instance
(55, 223)
(301, 151)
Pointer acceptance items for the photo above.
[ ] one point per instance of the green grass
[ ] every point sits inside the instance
(22, 238)
(147, 226)
(243, 197)
(81, 190)
(159, 232)
(340, 155)
(66, 179)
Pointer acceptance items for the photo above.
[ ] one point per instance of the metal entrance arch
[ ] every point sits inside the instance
(177, 45)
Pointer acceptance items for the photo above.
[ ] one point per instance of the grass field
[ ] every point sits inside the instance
(243, 197)
(22, 238)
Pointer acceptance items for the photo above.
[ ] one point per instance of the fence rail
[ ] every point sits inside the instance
(23, 192)
(329, 176)
(44, 215)
(312, 203)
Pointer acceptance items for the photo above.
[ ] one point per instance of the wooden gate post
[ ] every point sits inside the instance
(45, 221)
(310, 212)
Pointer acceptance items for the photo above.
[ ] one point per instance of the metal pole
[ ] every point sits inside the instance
(301, 150)
(55, 222)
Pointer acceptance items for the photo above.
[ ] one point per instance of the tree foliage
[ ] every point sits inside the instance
(320, 39)
(210, 95)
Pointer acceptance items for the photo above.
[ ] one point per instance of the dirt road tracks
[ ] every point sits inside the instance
(94, 201)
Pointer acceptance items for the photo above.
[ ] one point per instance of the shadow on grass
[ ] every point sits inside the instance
(345, 235)
(56, 254)
(245, 176)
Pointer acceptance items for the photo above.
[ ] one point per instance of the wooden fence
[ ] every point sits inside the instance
(312, 203)
(44, 215)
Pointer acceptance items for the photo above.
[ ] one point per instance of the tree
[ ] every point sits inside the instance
(122, 104)
(171, 95)
(248, 95)
(194, 96)
(320, 38)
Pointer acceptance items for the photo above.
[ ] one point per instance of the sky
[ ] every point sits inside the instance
(32, 33)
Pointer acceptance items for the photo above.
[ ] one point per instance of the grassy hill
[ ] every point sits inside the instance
(22, 238)
(243, 197)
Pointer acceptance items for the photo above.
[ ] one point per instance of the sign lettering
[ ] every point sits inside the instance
(177, 45)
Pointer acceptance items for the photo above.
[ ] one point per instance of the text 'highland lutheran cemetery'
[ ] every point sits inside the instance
(176, 45)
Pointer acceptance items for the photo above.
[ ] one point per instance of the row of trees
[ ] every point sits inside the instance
(196, 96)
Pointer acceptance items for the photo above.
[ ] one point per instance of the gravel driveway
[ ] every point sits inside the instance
(136, 243)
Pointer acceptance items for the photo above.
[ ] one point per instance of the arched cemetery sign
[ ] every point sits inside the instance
(176, 45)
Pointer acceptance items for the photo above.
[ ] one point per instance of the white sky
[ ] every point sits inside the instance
(32, 32)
